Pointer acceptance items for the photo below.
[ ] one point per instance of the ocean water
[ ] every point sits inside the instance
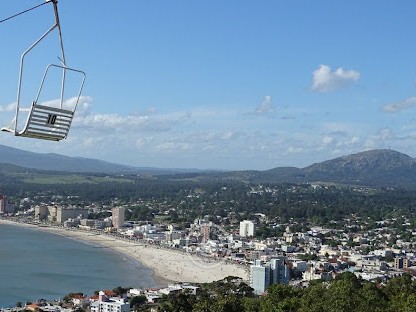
(36, 264)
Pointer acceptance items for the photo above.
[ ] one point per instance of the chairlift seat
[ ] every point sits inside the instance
(43, 121)
(47, 123)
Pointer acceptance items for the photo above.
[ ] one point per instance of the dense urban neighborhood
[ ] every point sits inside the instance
(293, 250)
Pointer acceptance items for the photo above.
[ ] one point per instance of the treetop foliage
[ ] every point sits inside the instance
(345, 293)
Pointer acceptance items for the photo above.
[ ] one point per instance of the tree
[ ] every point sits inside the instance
(137, 301)
(121, 290)
(229, 303)
(373, 297)
(344, 293)
(202, 305)
(182, 302)
(174, 217)
(251, 304)
(281, 298)
(312, 299)
(400, 291)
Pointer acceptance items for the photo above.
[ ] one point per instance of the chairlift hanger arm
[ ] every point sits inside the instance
(58, 24)
(55, 25)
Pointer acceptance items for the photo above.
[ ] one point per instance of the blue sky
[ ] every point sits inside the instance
(223, 84)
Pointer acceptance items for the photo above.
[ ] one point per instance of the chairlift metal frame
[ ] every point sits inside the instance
(46, 122)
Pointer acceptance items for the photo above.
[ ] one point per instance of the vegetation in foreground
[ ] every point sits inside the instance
(345, 293)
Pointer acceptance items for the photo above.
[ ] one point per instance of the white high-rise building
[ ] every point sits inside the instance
(265, 274)
(247, 228)
(279, 271)
(118, 217)
(260, 277)
(3, 203)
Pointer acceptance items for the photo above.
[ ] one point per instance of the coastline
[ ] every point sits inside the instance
(167, 265)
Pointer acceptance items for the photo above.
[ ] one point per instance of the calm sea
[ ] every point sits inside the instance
(35, 264)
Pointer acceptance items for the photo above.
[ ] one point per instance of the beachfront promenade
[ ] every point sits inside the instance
(168, 264)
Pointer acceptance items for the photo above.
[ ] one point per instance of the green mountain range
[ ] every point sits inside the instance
(374, 168)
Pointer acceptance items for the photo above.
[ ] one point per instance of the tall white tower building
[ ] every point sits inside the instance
(118, 217)
(260, 277)
(263, 275)
(247, 228)
(3, 203)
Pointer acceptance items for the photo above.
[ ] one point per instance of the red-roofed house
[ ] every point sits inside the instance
(32, 307)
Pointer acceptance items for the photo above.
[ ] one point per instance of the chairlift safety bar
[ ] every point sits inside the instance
(64, 68)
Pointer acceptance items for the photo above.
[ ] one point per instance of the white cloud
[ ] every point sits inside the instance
(385, 133)
(141, 142)
(90, 142)
(217, 138)
(333, 141)
(173, 146)
(130, 123)
(396, 107)
(8, 108)
(327, 140)
(380, 139)
(227, 135)
(348, 142)
(326, 81)
(209, 138)
(293, 149)
(266, 106)
(84, 103)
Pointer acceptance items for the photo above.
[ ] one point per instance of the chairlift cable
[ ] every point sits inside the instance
(20, 13)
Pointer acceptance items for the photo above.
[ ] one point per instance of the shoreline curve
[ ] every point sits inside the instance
(168, 266)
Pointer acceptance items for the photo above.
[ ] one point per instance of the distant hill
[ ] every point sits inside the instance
(381, 167)
(57, 162)
(378, 168)
(375, 168)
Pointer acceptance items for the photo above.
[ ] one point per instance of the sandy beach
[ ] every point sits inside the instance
(168, 265)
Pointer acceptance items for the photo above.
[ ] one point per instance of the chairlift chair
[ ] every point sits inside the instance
(44, 121)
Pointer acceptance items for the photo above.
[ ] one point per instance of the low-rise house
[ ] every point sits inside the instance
(261, 246)
(288, 248)
(171, 289)
(383, 253)
(52, 308)
(80, 300)
(32, 307)
(106, 304)
(132, 292)
(190, 289)
(152, 296)
(300, 266)
(315, 274)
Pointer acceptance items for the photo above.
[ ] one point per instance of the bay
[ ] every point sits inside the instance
(35, 264)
